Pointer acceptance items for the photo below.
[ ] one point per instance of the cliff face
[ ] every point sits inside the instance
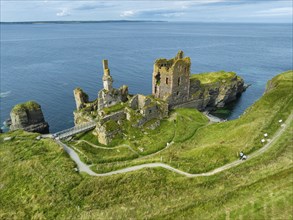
(213, 89)
(29, 117)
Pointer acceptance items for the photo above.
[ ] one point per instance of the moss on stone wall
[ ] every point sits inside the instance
(114, 108)
(111, 125)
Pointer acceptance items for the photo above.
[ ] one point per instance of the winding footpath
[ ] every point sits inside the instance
(108, 148)
(85, 168)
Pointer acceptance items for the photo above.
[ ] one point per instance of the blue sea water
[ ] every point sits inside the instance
(45, 62)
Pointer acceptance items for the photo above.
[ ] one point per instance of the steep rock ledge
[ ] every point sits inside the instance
(213, 90)
(28, 116)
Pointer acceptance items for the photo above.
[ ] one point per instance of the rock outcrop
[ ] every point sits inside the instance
(81, 98)
(214, 89)
(29, 117)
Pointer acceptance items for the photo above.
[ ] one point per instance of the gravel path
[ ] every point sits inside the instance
(85, 168)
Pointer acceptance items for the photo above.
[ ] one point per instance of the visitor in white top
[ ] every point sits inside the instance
(241, 155)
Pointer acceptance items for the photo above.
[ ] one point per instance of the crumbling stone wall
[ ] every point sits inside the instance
(116, 116)
(106, 131)
(171, 79)
(81, 98)
(107, 98)
(146, 109)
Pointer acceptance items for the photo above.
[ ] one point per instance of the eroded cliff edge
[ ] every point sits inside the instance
(214, 89)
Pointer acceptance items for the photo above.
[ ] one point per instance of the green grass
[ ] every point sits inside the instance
(37, 179)
(113, 108)
(212, 77)
(98, 155)
(27, 106)
(187, 123)
(147, 141)
(88, 136)
(220, 143)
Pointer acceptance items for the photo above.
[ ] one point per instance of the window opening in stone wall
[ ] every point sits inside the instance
(156, 89)
(158, 78)
(178, 81)
(177, 93)
(167, 80)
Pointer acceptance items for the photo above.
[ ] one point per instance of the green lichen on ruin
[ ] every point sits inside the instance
(148, 124)
(111, 125)
(134, 115)
(213, 77)
(114, 108)
(171, 62)
(81, 91)
(27, 106)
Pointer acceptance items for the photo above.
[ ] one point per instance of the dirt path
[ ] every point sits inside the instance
(85, 168)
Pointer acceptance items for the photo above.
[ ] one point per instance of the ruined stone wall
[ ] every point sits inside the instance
(81, 98)
(180, 83)
(106, 134)
(116, 116)
(107, 98)
(171, 79)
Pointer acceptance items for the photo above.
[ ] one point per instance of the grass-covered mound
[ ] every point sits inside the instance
(37, 181)
(212, 77)
(27, 106)
(92, 154)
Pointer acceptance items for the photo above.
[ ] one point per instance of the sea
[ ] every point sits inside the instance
(46, 61)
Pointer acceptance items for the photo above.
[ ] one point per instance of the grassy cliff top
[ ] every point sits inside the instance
(211, 77)
(27, 106)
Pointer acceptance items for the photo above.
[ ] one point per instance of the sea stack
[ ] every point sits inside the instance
(28, 116)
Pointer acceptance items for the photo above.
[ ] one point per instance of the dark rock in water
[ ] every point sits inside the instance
(29, 117)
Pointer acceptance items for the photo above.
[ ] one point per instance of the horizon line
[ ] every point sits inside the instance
(109, 21)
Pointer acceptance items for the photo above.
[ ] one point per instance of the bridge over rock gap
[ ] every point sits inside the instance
(75, 130)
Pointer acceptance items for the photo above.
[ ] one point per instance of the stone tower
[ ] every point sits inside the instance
(107, 78)
(171, 79)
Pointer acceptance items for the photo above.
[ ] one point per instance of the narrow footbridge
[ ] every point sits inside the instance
(75, 130)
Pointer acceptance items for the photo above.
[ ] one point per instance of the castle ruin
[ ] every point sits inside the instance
(171, 79)
(172, 83)
(173, 86)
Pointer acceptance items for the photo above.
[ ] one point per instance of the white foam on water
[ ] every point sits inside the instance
(5, 94)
